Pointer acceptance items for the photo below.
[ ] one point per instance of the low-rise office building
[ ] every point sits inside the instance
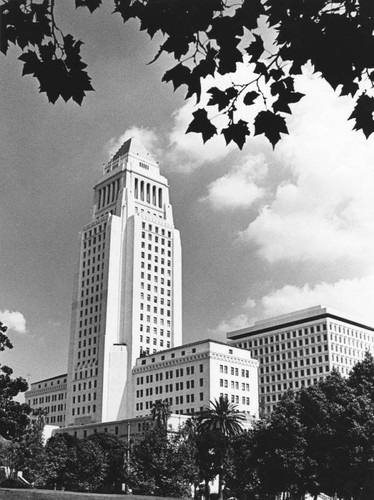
(50, 395)
(192, 375)
(300, 348)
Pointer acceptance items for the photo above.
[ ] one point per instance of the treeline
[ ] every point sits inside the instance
(319, 439)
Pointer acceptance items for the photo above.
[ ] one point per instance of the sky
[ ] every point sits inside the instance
(263, 232)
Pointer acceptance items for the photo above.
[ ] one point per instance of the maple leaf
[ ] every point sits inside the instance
(201, 124)
(284, 99)
(221, 98)
(179, 75)
(250, 97)
(363, 114)
(271, 125)
(255, 49)
(236, 132)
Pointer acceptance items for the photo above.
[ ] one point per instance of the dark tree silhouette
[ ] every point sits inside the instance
(210, 38)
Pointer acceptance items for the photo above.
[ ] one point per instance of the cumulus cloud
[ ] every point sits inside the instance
(324, 211)
(238, 188)
(187, 152)
(145, 136)
(14, 320)
(237, 322)
(353, 296)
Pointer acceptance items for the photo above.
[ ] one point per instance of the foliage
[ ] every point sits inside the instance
(161, 464)
(222, 416)
(210, 39)
(114, 452)
(240, 472)
(27, 454)
(319, 439)
(160, 412)
(216, 425)
(73, 464)
(14, 416)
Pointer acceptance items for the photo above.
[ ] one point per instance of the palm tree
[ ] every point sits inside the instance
(217, 425)
(161, 412)
(222, 417)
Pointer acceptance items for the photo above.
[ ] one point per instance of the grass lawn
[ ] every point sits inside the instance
(13, 494)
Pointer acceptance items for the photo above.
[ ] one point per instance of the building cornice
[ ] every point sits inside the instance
(302, 321)
(44, 390)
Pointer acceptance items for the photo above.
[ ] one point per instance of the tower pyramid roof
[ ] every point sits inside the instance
(134, 147)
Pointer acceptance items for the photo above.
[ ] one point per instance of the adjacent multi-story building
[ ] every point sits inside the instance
(127, 295)
(300, 348)
(192, 375)
(49, 395)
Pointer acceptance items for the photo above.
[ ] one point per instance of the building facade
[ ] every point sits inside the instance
(125, 349)
(127, 295)
(49, 395)
(301, 348)
(190, 376)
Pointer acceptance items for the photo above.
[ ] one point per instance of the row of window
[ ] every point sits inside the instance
(144, 191)
(234, 384)
(177, 400)
(88, 331)
(92, 235)
(51, 383)
(47, 399)
(297, 361)
(55, 419)
(271, 339)
(233, 371)
(156, 229)
(357, 334)
(84, 397)
(82, 410)
(179, 386)
(160, 342)
(294, 374)
(169, 374)
(236, 399)
(92, 372)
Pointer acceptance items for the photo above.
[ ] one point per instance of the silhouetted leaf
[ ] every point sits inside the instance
(236, 132)
(363, 115)
(91, 5)
(178, 75)
(271, 125)
(255, 49)
(250, 97)
(201, 124)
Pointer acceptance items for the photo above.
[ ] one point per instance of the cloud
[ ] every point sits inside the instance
(237, 322)
(187, 152)
(145, 136)
(238, 188)
(14, 320)
(352, 296)
(323, 209)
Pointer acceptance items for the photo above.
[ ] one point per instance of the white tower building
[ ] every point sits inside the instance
(127, 293)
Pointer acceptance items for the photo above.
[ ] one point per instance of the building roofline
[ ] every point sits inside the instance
(50, 378)
(185, 346)
(272, 324)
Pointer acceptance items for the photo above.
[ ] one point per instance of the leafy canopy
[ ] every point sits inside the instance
(319, 439)
(14, 416)
(210, 38)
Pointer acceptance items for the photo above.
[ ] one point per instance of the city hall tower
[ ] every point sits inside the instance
(127, 298)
